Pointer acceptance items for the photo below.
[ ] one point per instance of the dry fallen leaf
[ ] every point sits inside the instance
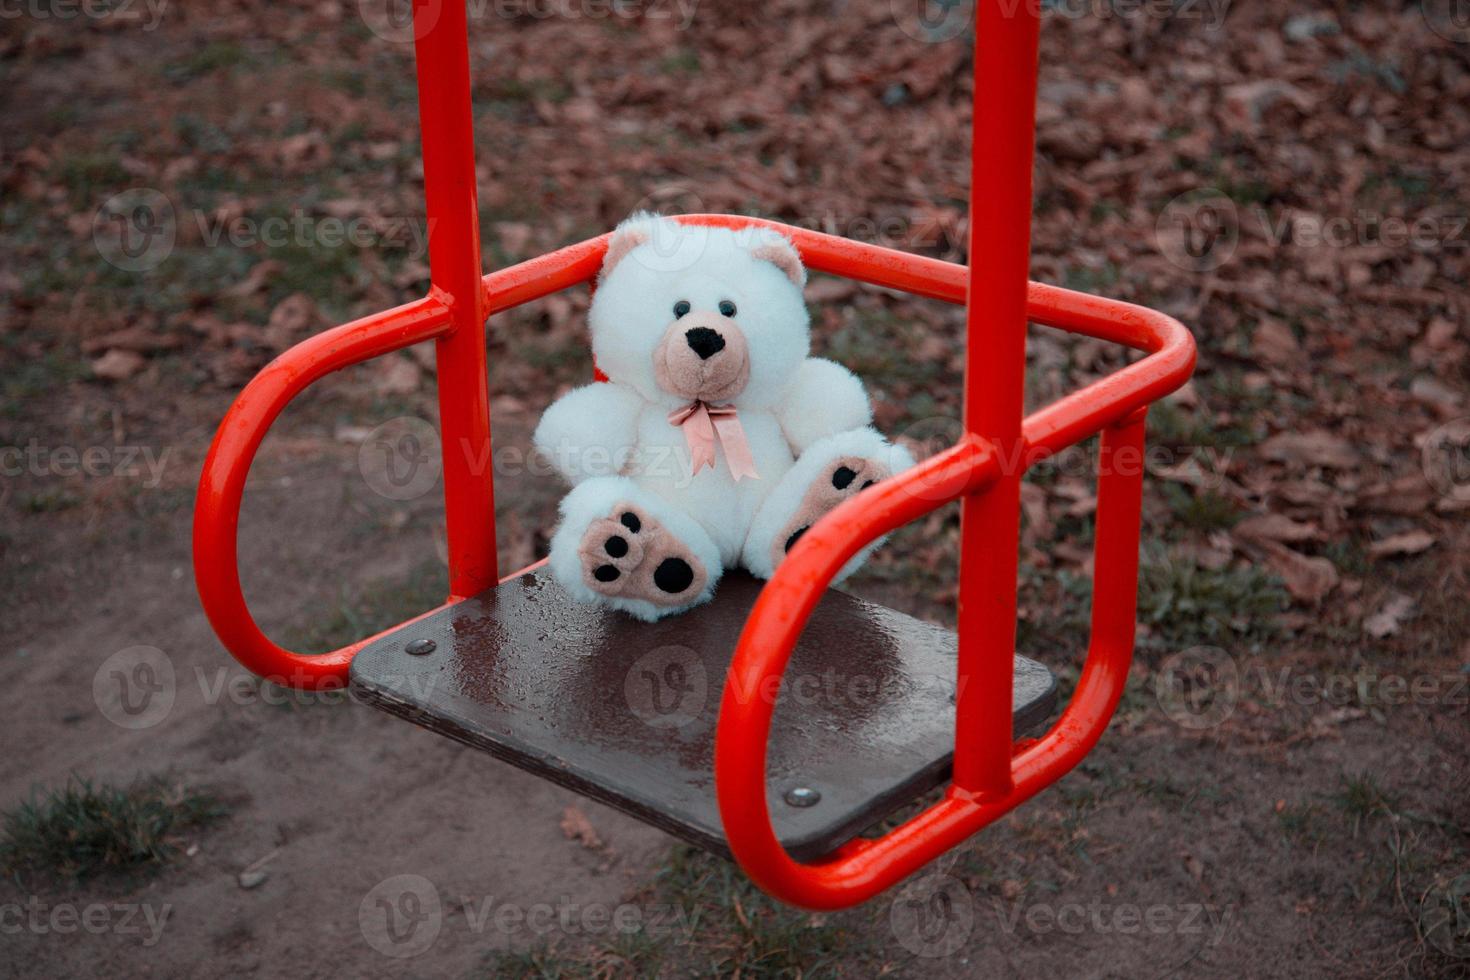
(291, 320)
(1308, 579)
(1408, 543)
(118, 365)
(1387, 620)
(576, 826)
(1275, 344)
(1312, 448)
(1275, 527)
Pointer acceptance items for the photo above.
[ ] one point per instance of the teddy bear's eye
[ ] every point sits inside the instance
(681, 308)
(727, 308)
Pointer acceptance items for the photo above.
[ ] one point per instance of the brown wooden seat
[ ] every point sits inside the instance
(624, 711)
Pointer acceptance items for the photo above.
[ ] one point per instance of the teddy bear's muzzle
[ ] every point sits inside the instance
(703, 356)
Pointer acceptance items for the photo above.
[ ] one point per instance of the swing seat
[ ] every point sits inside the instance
(624, 712)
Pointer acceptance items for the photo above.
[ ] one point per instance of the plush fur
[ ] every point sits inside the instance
(714, 314)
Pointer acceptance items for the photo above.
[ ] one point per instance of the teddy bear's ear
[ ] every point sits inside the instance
(778, 250)
(623, 241)
(634, 231)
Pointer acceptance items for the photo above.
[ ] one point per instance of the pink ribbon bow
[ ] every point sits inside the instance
(704, 425)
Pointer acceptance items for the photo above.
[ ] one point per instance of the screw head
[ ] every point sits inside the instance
(419, 647)
(802, 796)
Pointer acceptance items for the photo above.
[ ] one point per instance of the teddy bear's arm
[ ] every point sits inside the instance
(590, 431)
(826, 398)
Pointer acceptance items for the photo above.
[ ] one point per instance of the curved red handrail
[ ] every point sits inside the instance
(222, 483)
(863, 868)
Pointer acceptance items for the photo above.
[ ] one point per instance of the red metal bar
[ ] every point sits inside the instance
(863, 868)
(1001, 158)
(441, 54)
(222, 484)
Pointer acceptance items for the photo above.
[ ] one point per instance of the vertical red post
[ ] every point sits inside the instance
(1007, 35)
(441, 53)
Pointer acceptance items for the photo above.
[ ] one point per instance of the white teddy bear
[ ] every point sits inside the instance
(716, 440)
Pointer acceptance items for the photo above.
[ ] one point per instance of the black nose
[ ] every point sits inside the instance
(704, 342)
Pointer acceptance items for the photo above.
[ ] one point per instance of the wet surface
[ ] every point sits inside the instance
(625, 711)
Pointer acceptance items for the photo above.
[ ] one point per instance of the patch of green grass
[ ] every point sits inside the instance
(513, 98)
(1360, 797)
(629, 956)
(1186, 604)
(201, 135)
(373, 609)
(29, 379)
(1348, 555)
(681, 61)
(559, 362)
(740, 931)
(1057, 609)
(719, 924)
(1245, 191)
(878, 344)
(90, 177)
(1089, 280)
(1170, 425)
(83, 829)
(1202, 510)
(1301, 823)
(50, 501)
(353, 81)
(212, 57)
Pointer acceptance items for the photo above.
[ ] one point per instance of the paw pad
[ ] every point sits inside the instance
(840, 480)
(630, 555)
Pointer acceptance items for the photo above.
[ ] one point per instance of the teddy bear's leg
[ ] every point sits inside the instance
(830, 471)
(627, 548)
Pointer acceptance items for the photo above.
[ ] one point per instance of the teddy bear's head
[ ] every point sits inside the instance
(685, 312)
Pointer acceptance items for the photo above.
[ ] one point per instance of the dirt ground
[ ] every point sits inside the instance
(1285, 790)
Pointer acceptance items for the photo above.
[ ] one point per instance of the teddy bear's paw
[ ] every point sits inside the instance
(630, 555)
(842, 478)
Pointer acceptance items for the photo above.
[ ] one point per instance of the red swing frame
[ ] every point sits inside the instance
(983, 470)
